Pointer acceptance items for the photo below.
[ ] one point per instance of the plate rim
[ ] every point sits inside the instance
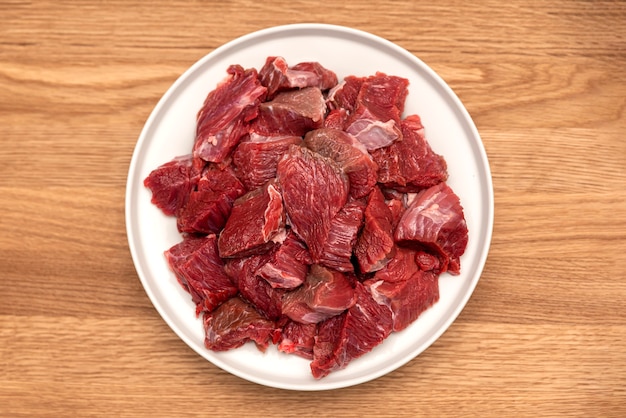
(477, 145)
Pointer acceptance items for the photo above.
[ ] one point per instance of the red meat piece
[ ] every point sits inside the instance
(372, 132)
(178, 254)
(288, 265)
(327, 78)
(375, 120)
(336, 119)
(208, 207)
(277, 76)
(324, 294)
(351, 156)
(344, 229)
(410, 165)
(226, 112)
(255, 223)
(171, 184)
(298, 339)
(348, 336)
(256, 157)
(292, 112)
(200, 271)
(428, 262)
(375, 245)
(400, 267)
(252, 288)
(314, 190)
(396, 207)
(435, 221)
(344, 95)
(234, 323)
(408, 298)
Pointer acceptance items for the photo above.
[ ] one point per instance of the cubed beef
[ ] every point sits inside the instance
(293, 112)
(226, 112)
(256, 223)
(410, 165)
(435, 221)
(254, 289)
(314, 190)
(408, 298)
(400, 267)
(314, 215)
(344, 230)
(198, 267)
(336, 119)
(234, 323)
(428, 262)
(287, 266)
(171, 184)
(277, 76)
(324, 294)
(256, 157)
(327, 79)
(344, 95)
(375, 121)
(351, 156)
(348, 336)
(209, 206)
(298, 339)
(375, 244)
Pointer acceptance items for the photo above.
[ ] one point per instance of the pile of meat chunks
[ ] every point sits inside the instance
(313, 214)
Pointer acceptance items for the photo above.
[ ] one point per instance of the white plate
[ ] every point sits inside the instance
(170, 130)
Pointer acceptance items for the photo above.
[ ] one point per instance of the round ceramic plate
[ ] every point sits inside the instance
(169, 132)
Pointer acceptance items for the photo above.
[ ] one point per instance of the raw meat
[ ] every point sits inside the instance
(298, 339)
(209, 206)
(178, 254)
(344, 229)
(351, 156)
(256, 157)
(397, 208)
(255, 223)
(313, 214)
(327, 78)
(200, 270)
(314, 190)
(435, 221)
(344, 338)
(252, 288)
(171, 184)
(375, 245)
(277, 76)
(401, 266)
(428, 262)
(293, 112)
(324, 294)
(344, 95)
(410, 165)
(234, 323)
(288, 265)
(371, 132)
(375, 120)
(226, 112)
(408, 298)
(336, 119)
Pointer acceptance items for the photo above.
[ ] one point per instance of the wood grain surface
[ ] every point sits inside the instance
(544, 333)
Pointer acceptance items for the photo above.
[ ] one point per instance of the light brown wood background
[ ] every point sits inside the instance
(543, 334)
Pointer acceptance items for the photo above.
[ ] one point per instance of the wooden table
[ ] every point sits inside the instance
(543, 334)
